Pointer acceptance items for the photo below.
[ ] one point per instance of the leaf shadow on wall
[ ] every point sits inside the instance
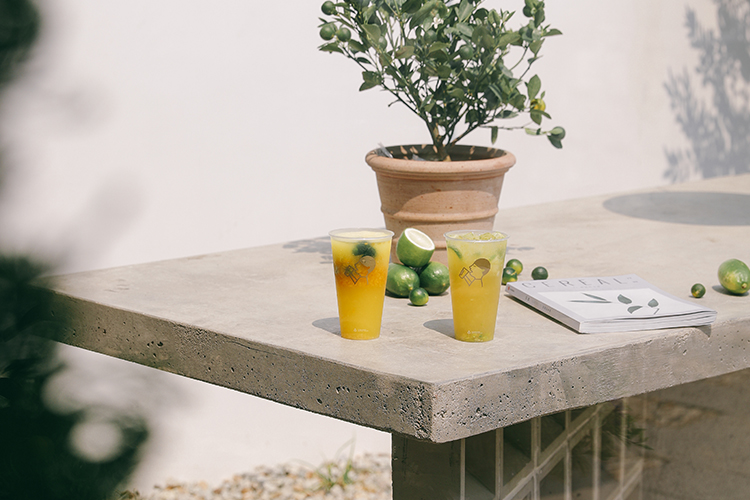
(715, 116)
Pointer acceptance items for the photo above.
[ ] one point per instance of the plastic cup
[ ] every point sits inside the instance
(475, 268)
(360, 266)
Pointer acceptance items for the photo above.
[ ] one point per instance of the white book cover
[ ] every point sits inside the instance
(609, 304)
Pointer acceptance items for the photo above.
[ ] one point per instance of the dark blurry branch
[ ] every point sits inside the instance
(39, 457)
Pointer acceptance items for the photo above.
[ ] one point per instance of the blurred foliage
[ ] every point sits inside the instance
(19, 26)
(455, 64)
(39, 458)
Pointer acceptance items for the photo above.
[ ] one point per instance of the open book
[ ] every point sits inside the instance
(612, 304)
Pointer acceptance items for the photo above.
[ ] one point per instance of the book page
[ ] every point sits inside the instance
(603, 304)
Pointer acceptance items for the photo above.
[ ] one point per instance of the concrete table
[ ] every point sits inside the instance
(263, 321)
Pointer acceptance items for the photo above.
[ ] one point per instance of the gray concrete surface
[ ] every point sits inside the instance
(263, 321)
(699, 435)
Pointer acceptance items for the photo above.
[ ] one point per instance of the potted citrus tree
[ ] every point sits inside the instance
(459, 67)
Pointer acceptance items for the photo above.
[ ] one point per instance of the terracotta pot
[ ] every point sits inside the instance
(440, 196)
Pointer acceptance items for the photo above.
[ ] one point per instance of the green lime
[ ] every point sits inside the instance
(434, 278)
(328, 8)
(419, 296)
(414, 248)
(401, 280)
(343, 34)
(327, 31)
(509, 274)
(698, 290)
(466, 52)
(734, 276)
(539, 273)
(515, 264)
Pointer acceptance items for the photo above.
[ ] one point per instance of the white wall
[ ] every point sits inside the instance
(153, 129)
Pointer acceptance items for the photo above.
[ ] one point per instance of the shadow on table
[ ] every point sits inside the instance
(320, 246)
(700, 208)
(444, 326)
(331, 325)
(720, 289)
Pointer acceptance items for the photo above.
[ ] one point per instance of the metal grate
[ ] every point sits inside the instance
(594, 453)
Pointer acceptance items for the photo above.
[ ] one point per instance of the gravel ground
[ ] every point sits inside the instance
(365, 477)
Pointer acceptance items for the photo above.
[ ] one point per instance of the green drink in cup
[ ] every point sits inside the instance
(475, 267)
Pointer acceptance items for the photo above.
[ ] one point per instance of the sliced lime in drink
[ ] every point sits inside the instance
(414, 248)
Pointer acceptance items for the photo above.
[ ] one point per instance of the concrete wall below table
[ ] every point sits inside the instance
(150, 130)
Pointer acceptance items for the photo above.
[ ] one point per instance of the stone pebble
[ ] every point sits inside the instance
(368, 478)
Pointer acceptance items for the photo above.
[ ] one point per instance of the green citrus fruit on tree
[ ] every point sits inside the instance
(414, 248)
(515, 264)
(698, 290)
(401, 280)
(538, 104)
(343, 34)
(539, 273)
(734, 276)
(327, 31)
(434, 278)
(466, 52)
(328, 8)
(419, 296)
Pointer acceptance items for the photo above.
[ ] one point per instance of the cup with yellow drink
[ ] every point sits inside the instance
(475, 267)
(360, 266)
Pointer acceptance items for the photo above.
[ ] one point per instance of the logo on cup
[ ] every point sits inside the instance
(361, 269)
(475, 272)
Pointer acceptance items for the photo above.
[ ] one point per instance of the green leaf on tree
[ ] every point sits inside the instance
(534, 86)
(331, 47)
(373, 32)
(404, 52)
(464, 11)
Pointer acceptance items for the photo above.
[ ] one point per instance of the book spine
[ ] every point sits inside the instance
(544, 308)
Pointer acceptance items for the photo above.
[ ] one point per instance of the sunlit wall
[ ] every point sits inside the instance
(148, 130)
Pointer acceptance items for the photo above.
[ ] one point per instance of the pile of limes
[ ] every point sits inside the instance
(416, 277)
(513, 270)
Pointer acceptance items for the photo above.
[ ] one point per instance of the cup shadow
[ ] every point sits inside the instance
(331, 325)
(444, 326)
